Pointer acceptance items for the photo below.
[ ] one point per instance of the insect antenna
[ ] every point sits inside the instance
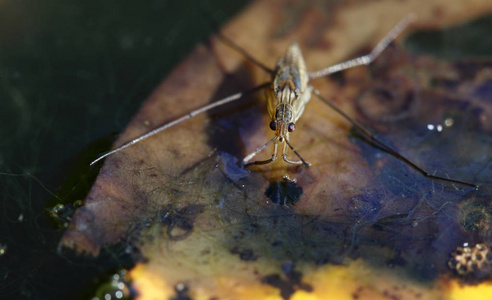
(385, 147)
(189, 115)
(369, 58)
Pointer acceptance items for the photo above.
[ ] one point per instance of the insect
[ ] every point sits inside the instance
(287, 96)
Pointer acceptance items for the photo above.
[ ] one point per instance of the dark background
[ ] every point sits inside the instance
(72, 73)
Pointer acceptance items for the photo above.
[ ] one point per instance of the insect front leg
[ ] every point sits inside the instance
(286, 159)
(262, 162)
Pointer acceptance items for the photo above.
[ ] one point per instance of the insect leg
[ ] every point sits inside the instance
(295, 162)
(189, 115)
(258, 150)
(232, 44)
(243, 52)
(385, 147)
(369, 58)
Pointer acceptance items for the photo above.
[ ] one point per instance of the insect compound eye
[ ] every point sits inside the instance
(291, 127)
(273, 125)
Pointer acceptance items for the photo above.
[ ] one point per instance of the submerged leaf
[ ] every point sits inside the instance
(359, 223)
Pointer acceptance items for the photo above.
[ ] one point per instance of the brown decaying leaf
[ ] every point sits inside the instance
(193, 213)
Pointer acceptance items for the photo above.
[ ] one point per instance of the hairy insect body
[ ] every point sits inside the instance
(287, 97)
(289, 85)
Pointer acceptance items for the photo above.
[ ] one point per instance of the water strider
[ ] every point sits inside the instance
(287, 96)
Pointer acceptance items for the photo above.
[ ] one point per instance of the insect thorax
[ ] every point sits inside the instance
(288, 85)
